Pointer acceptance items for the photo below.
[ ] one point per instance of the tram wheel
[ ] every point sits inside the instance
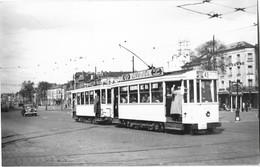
(157, 127)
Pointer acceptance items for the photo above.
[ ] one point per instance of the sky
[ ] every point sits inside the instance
(52, 40)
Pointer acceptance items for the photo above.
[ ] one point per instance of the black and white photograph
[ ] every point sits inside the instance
(129, 83)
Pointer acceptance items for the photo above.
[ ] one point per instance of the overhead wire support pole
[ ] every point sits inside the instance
(136, 56)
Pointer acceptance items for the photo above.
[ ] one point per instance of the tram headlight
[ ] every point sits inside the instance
(208, 114)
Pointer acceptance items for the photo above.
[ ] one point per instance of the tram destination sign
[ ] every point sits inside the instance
(143, 74)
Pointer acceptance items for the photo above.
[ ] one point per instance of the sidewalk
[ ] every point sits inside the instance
(250, 116)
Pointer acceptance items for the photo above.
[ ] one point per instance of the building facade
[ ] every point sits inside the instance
(240, 67)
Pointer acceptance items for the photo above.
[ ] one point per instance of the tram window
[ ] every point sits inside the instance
(123, 94)
(157, 92)
(86, 97)
(91, 97)
(198, 91)
(191, 91)
(103, 95)
(78, 98)
(82, 98)
(206, 90)
(144, 93)
(215, 91)
(133, 93)
(108, 96)
(185, 92)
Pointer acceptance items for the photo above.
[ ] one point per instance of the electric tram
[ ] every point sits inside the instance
(83, 104)
(184, 100)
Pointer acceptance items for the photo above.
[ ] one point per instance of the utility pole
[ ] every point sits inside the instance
(133, 64)
(213, 53)
(258, 49)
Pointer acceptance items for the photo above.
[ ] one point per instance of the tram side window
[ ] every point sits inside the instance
(157, 92)
(103, 94)
(185, 92)
(74, 99)
(86, 97)
(144, 93)
(82, 98)
(108, 96)
(198, 91)
(91, 97)
(133, 93)
(123, 94)
(191, 91)
(78, 98)
(206, 90)
(215, 91)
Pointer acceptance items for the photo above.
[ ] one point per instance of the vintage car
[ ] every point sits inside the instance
(29, 110)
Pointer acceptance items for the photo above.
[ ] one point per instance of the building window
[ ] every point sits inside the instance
(230, 59)
(250, 69)
(250, 57)
(238, 71)
(250, 82)
(238, 57)
(222, 84)
(230, 71)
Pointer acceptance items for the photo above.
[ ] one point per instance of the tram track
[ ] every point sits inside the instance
(179, 159)
(47, 133)
(138, 150)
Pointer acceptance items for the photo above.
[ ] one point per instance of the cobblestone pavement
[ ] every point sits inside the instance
(54, 139)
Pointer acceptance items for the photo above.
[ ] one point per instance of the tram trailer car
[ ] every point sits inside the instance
(185, 100)
(83, 104)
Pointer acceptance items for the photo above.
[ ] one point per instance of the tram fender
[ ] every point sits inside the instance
(209, 125)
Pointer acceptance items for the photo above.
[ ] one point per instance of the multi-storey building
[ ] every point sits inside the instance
(55, 95)
(241, 67)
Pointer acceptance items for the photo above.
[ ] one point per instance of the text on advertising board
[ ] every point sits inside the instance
(143, 74)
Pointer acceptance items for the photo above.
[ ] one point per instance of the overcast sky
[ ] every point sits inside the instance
(50, 41)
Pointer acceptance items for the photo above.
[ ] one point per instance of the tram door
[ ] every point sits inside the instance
(115, 103)
(168, 98)
(170, 86)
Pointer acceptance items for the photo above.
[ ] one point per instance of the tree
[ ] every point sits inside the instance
(211, 54)
(42, 91)
(27, 91)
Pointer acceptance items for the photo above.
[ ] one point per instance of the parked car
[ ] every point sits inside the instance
(29, 109)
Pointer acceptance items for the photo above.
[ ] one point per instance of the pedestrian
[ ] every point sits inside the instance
(247, 106)
(243, 106)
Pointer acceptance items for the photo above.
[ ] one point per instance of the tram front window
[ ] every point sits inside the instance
(206, 91)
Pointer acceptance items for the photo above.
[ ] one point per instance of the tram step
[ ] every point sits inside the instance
(174, 126)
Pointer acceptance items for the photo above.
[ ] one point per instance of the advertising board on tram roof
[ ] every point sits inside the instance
(143, 74)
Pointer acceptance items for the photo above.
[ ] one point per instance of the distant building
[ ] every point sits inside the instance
(182, 57)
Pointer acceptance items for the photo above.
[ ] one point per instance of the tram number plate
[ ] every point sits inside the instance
(202, 126)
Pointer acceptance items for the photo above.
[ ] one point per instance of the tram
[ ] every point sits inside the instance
(83, 104)
(185, 100)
